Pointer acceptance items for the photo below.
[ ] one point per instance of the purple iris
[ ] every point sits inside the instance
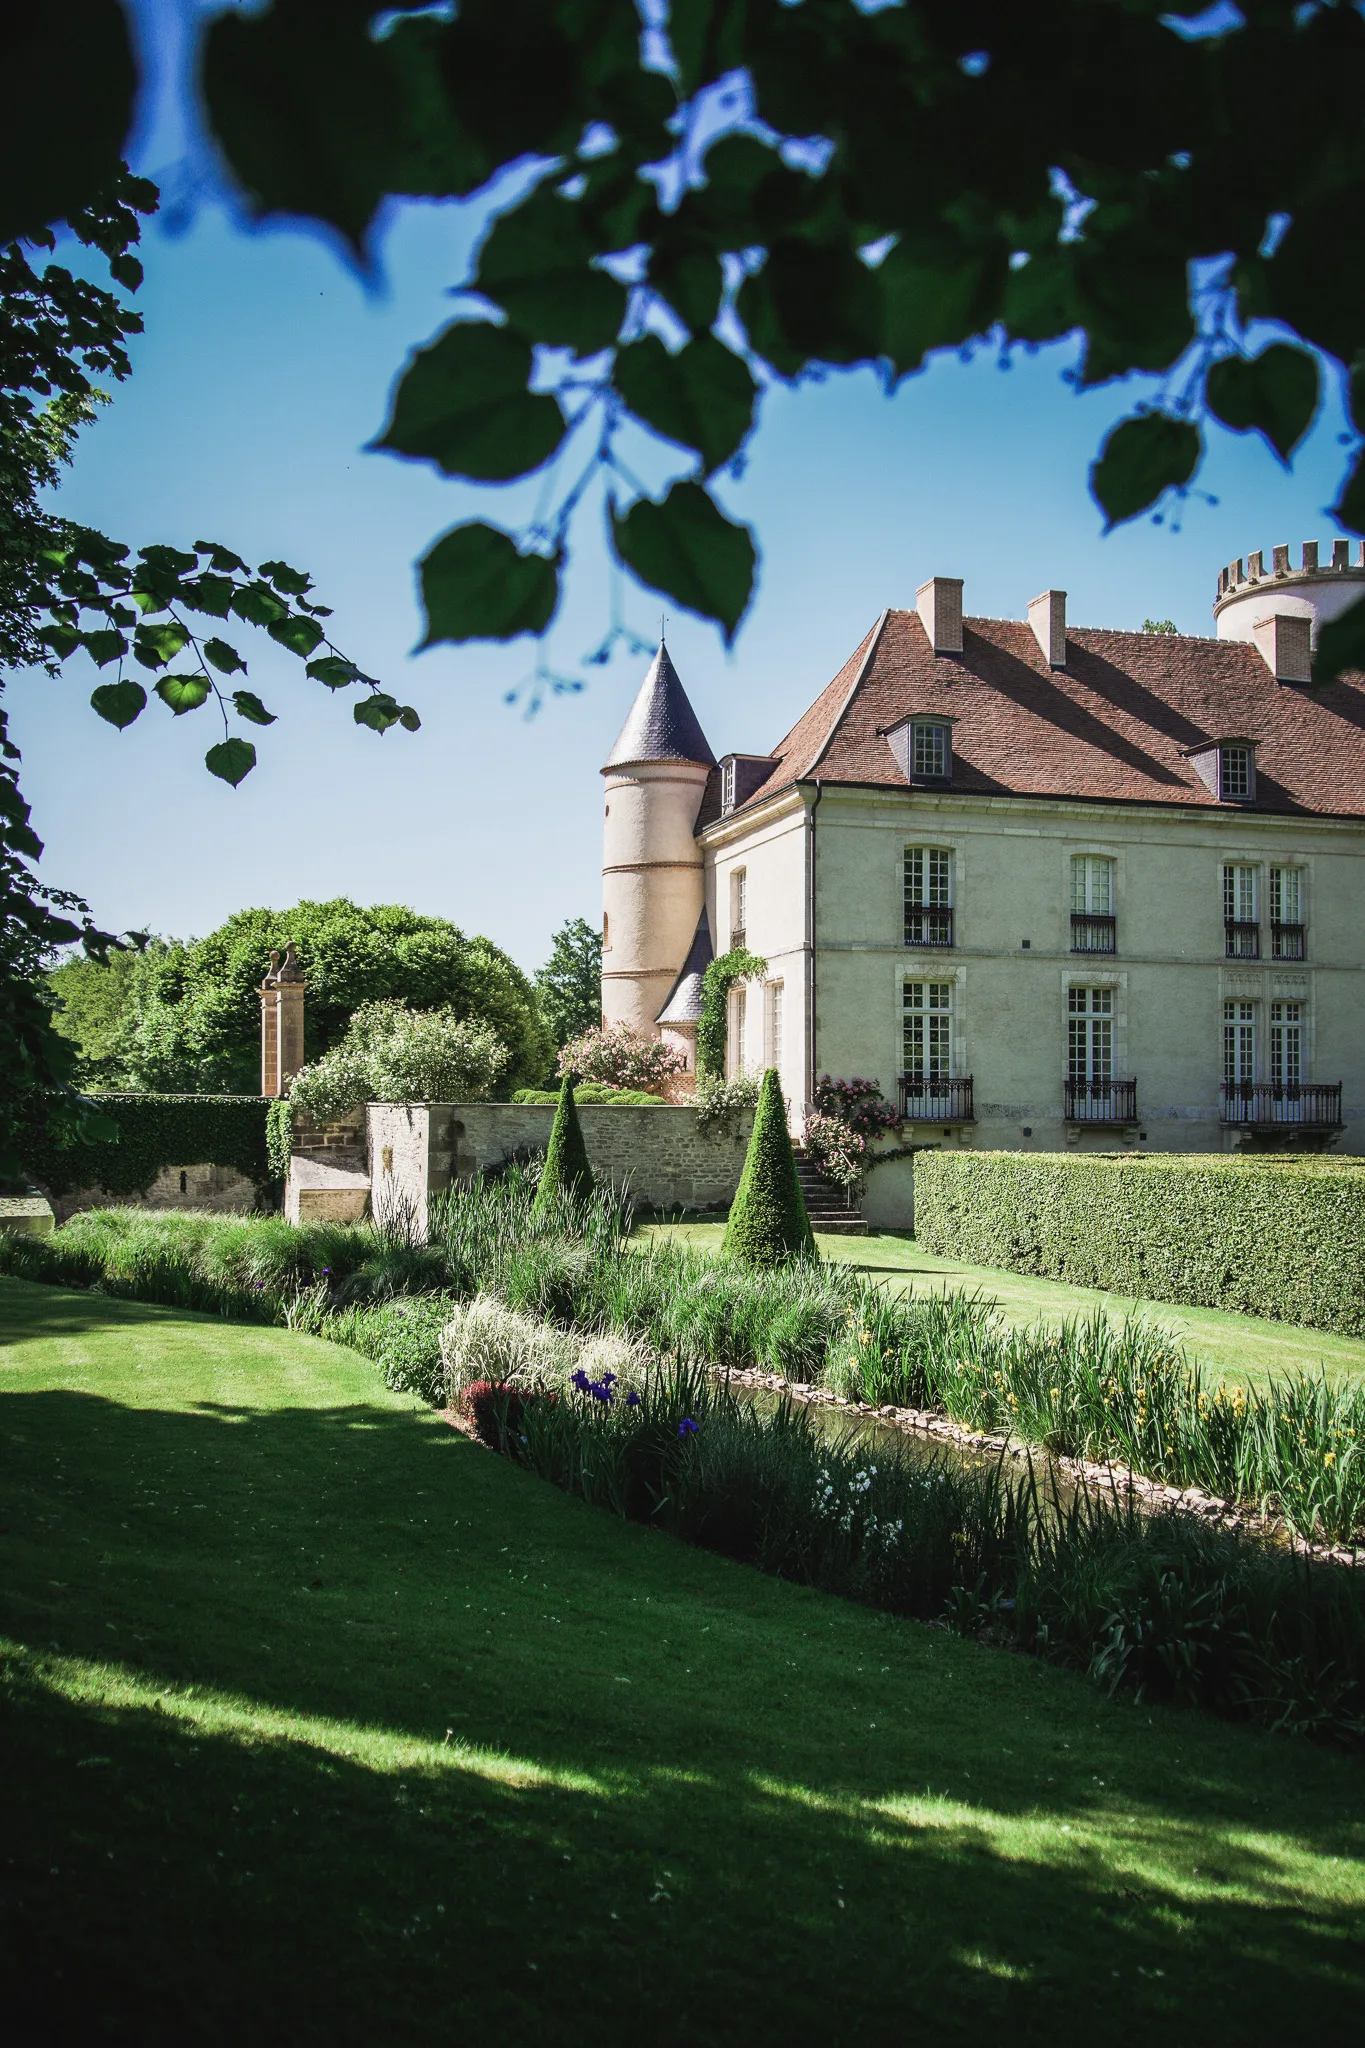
(687, 1427)
(632, 1399)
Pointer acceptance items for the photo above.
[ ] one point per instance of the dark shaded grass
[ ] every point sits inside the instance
(262, 1591)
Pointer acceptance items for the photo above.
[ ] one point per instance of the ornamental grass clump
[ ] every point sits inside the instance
(768, 1223)
(566, 1171)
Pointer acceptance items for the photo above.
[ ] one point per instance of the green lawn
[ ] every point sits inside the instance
(322, 1724)
(1238, 1347)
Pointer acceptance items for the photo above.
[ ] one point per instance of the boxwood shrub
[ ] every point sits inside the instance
(1282, 1238)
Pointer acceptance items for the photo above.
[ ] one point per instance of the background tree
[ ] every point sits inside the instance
(97, 1003)
(569, 985)
(193, 1016)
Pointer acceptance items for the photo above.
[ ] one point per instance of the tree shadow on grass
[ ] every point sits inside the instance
(560, 1779)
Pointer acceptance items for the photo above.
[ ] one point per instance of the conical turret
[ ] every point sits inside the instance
(652, 889)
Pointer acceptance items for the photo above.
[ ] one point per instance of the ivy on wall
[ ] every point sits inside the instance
(156, 1131)
(279, 1137)
(720, 977)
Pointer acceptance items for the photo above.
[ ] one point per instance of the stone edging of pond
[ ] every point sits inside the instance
(1149, 1494)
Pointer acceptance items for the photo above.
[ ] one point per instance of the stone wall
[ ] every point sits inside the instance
(416, 1149)
(220, 1188)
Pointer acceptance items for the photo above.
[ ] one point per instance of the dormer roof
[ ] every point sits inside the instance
(661, 726)
(684, 998)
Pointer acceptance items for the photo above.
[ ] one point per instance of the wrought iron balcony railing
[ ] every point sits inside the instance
(1100, 1102)
(1287, 942)
(737, 939)
(1243, 939)
(925, 927)
(1091, 933)
(1280, 1105)
(928, 1101)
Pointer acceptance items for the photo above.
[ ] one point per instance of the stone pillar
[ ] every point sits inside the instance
(282, 994)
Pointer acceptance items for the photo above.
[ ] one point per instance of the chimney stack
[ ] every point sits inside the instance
(1047, 616)
(1284, 643)
(281, 1022)
(939, 604)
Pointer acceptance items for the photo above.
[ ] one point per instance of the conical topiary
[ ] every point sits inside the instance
(768, 1221)
(566, 1169)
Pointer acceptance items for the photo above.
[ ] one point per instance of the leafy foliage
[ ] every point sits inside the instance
(1141, 458)
(569, 985)
(566, 1174)
(622, 1058)
(1276, 392)
(154, 1131)
(393, 1054)
(189, 1015)
(768, 1223)
(720, 1103)
(713, 1028)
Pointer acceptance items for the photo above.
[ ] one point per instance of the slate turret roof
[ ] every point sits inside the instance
(684, 998)
(1117, 725)
(661, 726)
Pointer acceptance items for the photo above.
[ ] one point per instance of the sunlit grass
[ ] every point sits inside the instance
(677, 1800)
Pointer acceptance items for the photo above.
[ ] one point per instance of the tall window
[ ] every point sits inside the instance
(1239, 1044)
(1236, 774)
(928, 896)
(739, 906)
(928, 1027)
(1092, 885)
(1286, 1043)
(1286, 913)
(1240, 912)
(741, 1018)
(727, 786)
(931, 755)
(606, 933)
(1090, 1035)
(775, 1024)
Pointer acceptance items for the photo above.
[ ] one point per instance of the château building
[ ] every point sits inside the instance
(1051, 886)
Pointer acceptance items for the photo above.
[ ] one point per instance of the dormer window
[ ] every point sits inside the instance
(923, 748)
(1227, 767)
(933, 752)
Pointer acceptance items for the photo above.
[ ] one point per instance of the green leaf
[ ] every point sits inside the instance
(231, 760)
(1140, 459)
(292, 581)
(250, 707)
(379, 711)
(258, 604)
(1349, 510)
(812, 302)
(127, 270)
(1275, 393)
(224, 657)
(169, 561)
(105, 646)
(939, 304)
(690, 277)
(409, 720)
(119, 703)
(222, 559)
(334, 670)
(689, 550)
(154, 646)
(183, 693)
(476, 586)
(536, 265)
(1341, 644)
(463, 404)
(702, 397)
(62, 640)
(211, 594)
(298, 634)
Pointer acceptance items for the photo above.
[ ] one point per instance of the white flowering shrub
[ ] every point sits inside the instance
(393, 1054)
(720, 1103)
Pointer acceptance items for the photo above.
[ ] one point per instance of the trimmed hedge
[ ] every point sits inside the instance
(156, 1131)
(1280, 1238)
(566, 1170)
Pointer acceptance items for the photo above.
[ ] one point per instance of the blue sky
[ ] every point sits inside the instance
(266, 367)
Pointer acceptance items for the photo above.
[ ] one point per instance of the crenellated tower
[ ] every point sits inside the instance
(652, 884)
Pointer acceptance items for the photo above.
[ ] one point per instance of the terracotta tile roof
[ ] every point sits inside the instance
(1114, 726)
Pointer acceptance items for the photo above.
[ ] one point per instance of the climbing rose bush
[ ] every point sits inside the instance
(858, 1104)
(838, 1153)
(622, 1058)
(393, 1054)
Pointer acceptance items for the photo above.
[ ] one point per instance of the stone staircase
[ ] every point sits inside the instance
(829, 1207)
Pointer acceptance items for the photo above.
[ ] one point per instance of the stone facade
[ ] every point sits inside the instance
(417, 1149)
(221, 1189)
